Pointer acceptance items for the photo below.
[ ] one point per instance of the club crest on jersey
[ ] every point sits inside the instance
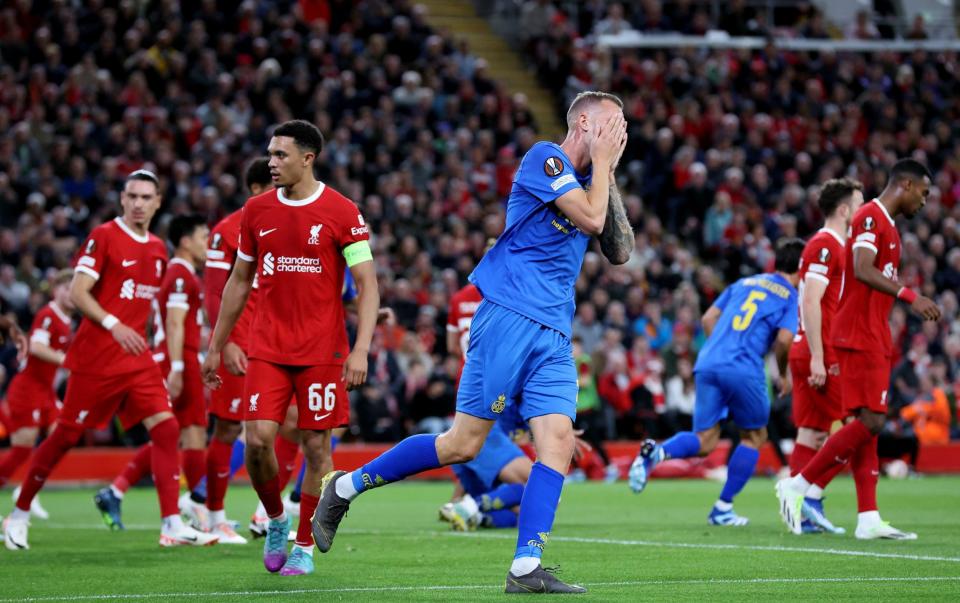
(824, 255)
(869, 223)
(91, 245)
(217, 241)
(553, 166)
(315, 234)
(499, 404)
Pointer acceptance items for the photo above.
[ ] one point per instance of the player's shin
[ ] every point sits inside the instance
(12, 461)
(866, 469)
(46, 457)
(682, 445)
(411, 456)
(537, 510)
(134, 471)
(218, 473)
(837, 450)
(739, 470)
(504, 496)
(165, 464)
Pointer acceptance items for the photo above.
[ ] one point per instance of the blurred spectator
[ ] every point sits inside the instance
(929, 414)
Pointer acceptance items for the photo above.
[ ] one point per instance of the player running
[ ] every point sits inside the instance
(520, 351)
(814, 368)
(31, 396)
(116, 280)
(749, 317)
(300, 236)
(861, 336)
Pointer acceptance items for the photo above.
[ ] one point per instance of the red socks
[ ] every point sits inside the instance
(12, 461)
(866, 470)
(194, 465)
(286, 459)
(838, 449)
(831, 473)
(218, 473)
(45, 459)
(165, 464)
(136, 469)
(308, 504)
(269, 493)
(799, 458)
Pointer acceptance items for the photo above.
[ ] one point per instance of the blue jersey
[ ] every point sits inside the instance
(752, 311)
(349, 292)
(535, 262)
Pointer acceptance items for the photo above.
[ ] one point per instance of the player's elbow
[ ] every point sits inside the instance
(619, 257)
(593, 227)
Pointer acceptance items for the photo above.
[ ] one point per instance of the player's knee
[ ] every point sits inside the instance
(227, 431)
(873, 421)
(754, 437)
(708, 441)
(455, 447)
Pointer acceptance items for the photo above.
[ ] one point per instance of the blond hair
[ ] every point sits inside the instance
(588, 97)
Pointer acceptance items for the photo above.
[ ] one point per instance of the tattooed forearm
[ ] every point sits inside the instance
(616, 240)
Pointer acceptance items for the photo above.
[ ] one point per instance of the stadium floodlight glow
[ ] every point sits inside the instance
(719, 39)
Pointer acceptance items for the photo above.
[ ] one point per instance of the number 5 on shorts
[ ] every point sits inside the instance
(325, 400)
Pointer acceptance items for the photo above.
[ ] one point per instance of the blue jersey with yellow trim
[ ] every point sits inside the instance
(535, 262)
(752, 311)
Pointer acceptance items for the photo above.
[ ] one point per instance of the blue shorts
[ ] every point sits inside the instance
(480, 475)
(723, 394)
(514, 360)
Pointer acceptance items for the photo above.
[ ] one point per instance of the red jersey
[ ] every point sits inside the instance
(221, 254)
(129, 269)
(52, 328)
(298, 249)
(861, 322)
(463, 305)
(823, 260)
(181, 289)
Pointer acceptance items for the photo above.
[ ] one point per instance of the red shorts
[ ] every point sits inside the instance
(815, 408)
(225, 402)
(321, 394)
(30, 404)
(865, 378)
(92, 400)
(191, 406)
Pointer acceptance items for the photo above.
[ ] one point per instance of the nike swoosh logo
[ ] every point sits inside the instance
(224, 474)
(189, 538)
(264, 233)
(128, 263)
(317, 417)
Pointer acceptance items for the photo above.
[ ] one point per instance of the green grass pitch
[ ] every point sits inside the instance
(655, 546)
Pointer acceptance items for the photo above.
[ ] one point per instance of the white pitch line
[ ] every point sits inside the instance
(741, 547)
(456, 587)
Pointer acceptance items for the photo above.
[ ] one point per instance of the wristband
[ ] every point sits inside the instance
(907, 295)
(109, 321)
(176, 366)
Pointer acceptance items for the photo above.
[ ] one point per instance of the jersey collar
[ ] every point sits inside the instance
(60, 313)
(301, 202)
(184, 262)
(885, 212)
(123, 226)
(833, 233)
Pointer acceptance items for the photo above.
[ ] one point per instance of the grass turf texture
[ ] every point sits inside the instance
(656, 546)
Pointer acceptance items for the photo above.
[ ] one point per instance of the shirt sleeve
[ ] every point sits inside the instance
(722, 301)
(177, 290)
(865, 232)
(94, 255)
(354, 236)
(247, 243)
(818, 261)
(546, 173)
(40, 329)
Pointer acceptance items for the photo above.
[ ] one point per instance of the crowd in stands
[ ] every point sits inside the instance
(725, 153)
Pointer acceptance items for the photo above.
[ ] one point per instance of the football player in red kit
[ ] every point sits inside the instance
(298, 239)
(861, 337)
(31, 397)
(813, 361)
(117, 278)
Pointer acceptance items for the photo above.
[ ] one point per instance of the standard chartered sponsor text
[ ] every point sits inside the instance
(287, 263)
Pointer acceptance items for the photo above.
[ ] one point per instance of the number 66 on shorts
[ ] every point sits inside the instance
(320, 395)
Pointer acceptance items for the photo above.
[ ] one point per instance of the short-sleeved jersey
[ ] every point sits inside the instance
(752, 311)
(823, 260)
(129, 269)
(297, 246)
(52, 328)
(463, 305)
(862, 319)
(535, 262)
(221, 254)
(181, 289)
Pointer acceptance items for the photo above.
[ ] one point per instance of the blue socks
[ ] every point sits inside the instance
(504, 496)
(742, 463)
(537, 509)
(411, 456)
(504, 518)
(682, 445)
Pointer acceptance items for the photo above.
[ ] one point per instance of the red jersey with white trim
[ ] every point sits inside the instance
(52, 328)
(221, 254)
(298, 249)
(129, 269)
(463, 305)
(181, 289)
(823, 260)
(861, 322)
